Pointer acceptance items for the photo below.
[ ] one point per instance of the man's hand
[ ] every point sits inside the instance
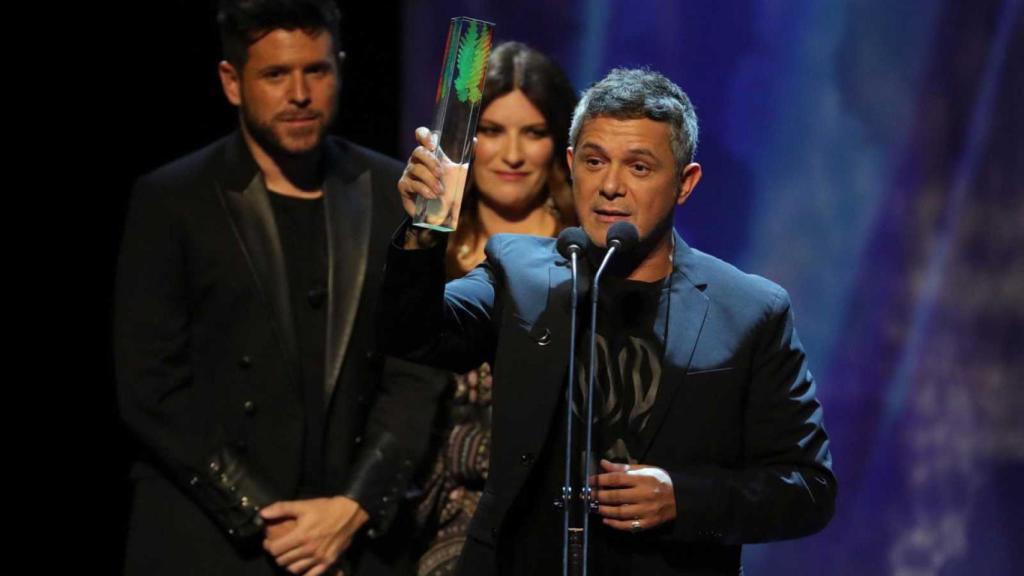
(634, 497)
(323, 530)
(422, 175)
(278, 528)
(430, 174)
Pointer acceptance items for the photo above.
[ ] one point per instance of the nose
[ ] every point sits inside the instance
(512, 153)
(611, 183)
(298, 92)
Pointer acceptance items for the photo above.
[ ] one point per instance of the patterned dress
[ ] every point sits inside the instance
(457, 479)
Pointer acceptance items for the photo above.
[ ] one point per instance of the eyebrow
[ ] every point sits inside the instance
(321, 63)
(594, 147)
(483, 120)
(632, 151)
(643, 152)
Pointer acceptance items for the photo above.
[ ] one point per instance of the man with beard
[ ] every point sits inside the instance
(270, 432)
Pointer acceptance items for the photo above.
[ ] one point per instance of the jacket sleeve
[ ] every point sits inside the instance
(785, 487)
(397, 437)
(422, 319)
(153, 362)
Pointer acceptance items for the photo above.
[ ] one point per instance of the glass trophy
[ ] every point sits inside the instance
(456, 111)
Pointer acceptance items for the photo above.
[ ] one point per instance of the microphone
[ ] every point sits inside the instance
(571, 242)
(622, 237)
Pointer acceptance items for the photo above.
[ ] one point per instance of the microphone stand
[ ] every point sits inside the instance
(589, 504)
(571, 544)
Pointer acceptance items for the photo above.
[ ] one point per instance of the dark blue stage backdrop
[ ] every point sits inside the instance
(869, 156)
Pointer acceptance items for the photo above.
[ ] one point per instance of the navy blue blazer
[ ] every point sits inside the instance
(736, 423)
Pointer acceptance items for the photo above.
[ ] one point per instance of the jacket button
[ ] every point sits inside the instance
(245, 362)
(494, 533)
(545, 338)
(316, 297)
(526, 459)
(249, 406)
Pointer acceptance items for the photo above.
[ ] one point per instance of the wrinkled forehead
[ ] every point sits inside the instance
(624, 134)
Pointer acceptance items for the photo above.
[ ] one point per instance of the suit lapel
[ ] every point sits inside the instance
(247, 203)
(348, 205)
(541, 380)
(687, 310)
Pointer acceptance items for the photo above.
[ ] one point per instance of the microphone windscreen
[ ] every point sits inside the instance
(624, 234)
(570, 238)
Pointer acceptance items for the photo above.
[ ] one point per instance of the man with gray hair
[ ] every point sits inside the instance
(706, 421)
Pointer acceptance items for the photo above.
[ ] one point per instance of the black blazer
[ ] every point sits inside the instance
(206, 358)
(735, 423)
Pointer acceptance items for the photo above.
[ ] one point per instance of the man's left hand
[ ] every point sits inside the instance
(323, 530)
(634, 497)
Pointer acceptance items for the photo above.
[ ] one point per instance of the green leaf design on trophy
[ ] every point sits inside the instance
(473, 52)
(480, 56)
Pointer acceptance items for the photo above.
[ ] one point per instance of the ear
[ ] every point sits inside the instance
(688, 181)
(230, 81)
(568, 158)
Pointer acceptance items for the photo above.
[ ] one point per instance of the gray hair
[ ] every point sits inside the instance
(629, 94)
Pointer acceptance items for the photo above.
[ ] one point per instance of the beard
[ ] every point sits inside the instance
(310, 138)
